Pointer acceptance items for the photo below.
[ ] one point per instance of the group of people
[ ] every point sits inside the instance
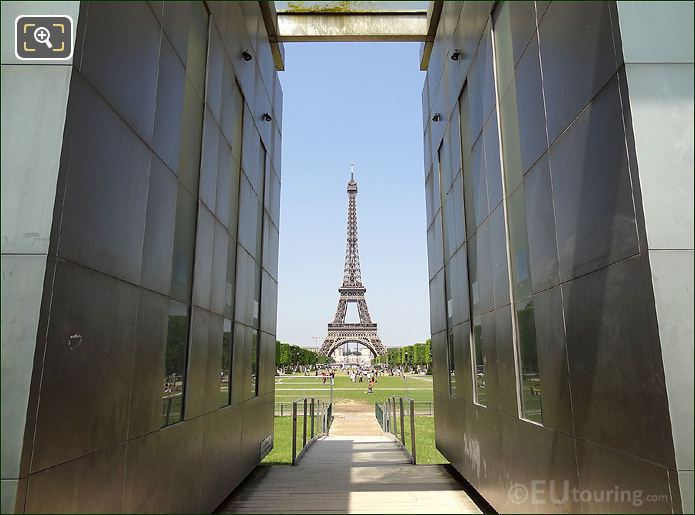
(359, 376)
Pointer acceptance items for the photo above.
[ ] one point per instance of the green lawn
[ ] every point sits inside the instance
(297, 386)
(426, 452)
(282, 439)
(416, 387)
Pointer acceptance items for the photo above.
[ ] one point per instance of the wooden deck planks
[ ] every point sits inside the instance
(351, 474)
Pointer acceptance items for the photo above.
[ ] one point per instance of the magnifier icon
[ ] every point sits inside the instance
(42, 35)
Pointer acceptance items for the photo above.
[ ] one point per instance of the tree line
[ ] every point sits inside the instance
(417, 354)
(294, 356)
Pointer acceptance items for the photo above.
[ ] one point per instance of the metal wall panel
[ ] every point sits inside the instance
(143, 223)
(571, 226)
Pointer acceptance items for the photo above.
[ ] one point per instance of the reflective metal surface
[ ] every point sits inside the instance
(149, 252)
(564, 385)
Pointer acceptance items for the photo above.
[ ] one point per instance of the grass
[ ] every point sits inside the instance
(426, 452)
(297, 386)
(282, 439)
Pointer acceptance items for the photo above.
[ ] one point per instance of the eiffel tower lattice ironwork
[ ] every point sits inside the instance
(352, 290)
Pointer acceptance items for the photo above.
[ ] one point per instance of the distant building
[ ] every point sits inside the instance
(345, 355)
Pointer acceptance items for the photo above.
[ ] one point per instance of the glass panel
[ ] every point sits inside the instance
(442, 191)
(175, 363)
(530, 379)
(474, 286)
(478, 351)
(451, 359)
(225, 382)
(230, 279)
(253, 361)
(184, 243)
(351, 7)
(237, 121)
(515, 117)
(465, 123)
(257, 297)
(191, 138)
(518, 244)
(197, 45)
(265, 170)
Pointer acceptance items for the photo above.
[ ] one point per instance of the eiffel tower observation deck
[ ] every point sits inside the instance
(352, 291)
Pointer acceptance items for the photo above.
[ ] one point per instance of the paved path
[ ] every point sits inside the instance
(354, 419)
(353, 470)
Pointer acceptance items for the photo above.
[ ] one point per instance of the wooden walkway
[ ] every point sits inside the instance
(351, 474)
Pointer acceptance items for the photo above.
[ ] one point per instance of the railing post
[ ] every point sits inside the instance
(312, 417)
(395, 419)
(412, 429)
(294, 432)
(400, 399)
(304, 435)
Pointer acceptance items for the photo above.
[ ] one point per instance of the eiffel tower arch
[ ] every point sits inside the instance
(352, 291)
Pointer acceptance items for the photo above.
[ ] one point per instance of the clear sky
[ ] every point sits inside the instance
(344, 103)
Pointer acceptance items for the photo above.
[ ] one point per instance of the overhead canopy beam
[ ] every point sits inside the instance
(433, 14)
(355, 26)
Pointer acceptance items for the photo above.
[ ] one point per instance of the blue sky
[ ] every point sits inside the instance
(361, 103)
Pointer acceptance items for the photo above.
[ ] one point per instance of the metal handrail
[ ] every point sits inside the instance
(320, 415)
(394, 412)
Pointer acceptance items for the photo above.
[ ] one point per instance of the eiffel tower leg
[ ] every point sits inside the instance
(340, 312)
(363, 311)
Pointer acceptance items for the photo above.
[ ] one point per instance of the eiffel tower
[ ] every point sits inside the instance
(352, 290)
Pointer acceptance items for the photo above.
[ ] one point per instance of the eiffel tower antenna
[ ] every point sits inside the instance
(352, 290)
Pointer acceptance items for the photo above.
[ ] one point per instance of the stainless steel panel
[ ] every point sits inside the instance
(120, 56)
(145, 409)
(574, 37)
(87, 366)
(592, 192)
(540, 227)
(552, 360)
(158, 246)
(631, 477)
(221, 441)
(536, 454)
(105, 203)
(163, 470)
(609, 329)
(170, 103)
(90, 484)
